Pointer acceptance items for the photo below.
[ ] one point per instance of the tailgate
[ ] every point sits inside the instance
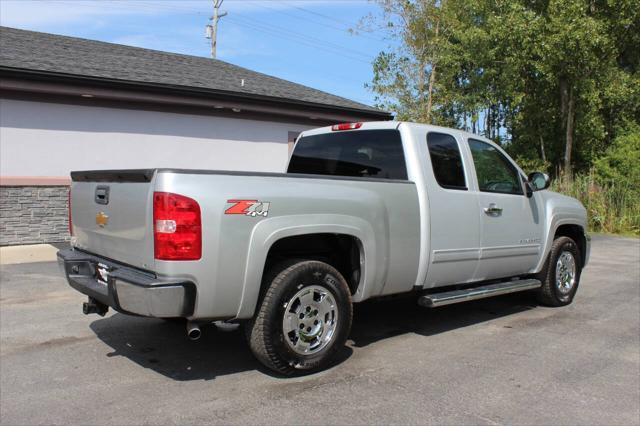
(112, 214)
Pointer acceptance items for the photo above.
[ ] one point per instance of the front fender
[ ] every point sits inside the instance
(373, 254)
(560, 210)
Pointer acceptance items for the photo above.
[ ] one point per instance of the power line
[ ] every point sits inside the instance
(285, 31)
(281, 29)
(277, 31)
(256, 25)
(274, 33)
(309, 38)
(341, 29)
(322, 15)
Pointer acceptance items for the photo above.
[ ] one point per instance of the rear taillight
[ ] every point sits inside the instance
(346, 126)
(177, 228)
(69, 208)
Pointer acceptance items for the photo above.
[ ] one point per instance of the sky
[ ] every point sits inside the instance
(305, 41)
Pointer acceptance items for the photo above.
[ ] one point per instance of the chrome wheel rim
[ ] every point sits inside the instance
(310, 320)
(565, 273)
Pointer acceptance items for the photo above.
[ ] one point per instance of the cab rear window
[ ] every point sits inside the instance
(363, 153)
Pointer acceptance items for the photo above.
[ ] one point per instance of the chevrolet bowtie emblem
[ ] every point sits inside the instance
(102, 219)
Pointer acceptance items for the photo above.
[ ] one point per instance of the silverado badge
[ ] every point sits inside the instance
(102, 219)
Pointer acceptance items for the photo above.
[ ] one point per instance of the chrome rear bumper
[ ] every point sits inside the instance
(126, 289)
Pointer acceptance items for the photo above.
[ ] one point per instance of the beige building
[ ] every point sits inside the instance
(72, 104)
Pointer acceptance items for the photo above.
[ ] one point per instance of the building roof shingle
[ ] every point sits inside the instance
(56, 54)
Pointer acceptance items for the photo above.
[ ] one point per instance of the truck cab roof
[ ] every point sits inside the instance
(379, 125)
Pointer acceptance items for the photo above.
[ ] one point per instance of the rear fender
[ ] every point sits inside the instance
(374, 253)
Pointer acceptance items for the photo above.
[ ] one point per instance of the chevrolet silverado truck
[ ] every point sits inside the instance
(364, 210)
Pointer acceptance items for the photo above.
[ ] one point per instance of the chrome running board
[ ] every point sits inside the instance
(434, 300)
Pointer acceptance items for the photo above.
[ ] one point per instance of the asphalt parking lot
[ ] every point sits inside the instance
(496, 361)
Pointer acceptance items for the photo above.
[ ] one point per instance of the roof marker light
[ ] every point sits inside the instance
(346, 126)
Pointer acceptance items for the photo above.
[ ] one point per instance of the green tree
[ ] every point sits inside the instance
(552, 79)
(621, 162)
(405, 78)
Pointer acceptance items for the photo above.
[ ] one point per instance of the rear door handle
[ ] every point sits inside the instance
(493, 209)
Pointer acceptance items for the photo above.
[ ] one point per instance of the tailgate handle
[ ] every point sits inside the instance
(102, 194)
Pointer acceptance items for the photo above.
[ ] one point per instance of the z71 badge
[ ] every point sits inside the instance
(251, 208)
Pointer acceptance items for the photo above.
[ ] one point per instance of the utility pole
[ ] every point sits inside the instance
(212, 29)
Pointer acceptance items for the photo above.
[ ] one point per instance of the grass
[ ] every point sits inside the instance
(612, 209)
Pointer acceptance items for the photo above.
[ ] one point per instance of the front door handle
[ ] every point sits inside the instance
(493, 209)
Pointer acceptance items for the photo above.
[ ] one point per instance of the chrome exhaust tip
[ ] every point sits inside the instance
(193, 331)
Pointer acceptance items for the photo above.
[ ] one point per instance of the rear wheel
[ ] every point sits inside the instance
(561, 274)
(304, 318)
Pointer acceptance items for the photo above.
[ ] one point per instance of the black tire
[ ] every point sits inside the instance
(550, 294)
(265, 332)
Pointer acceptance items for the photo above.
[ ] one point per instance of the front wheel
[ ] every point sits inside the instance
(304, 318)
(561, 274)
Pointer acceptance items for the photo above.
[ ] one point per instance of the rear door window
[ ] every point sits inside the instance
(362, 153)
(446, 161)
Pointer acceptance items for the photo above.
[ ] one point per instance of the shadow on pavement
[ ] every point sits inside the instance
(378, 320)
(163, 346)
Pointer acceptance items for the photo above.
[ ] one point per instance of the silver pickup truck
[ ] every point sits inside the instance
(364, 210)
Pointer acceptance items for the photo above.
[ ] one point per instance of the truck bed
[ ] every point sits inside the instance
(382, 214)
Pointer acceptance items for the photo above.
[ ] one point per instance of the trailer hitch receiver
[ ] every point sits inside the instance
(92, 306)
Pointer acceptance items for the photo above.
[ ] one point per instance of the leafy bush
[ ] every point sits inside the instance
(611, 190)
(612, 207)
(620, 166)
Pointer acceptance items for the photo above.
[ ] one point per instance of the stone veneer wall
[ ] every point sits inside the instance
(33, 214)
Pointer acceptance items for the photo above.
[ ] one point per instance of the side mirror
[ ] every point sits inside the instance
(539, 181)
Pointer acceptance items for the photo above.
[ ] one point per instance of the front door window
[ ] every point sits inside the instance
(494, 171)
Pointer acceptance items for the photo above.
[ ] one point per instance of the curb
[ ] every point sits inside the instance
(12, 255)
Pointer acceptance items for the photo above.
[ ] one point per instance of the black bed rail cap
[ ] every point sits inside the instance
(137, 175)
